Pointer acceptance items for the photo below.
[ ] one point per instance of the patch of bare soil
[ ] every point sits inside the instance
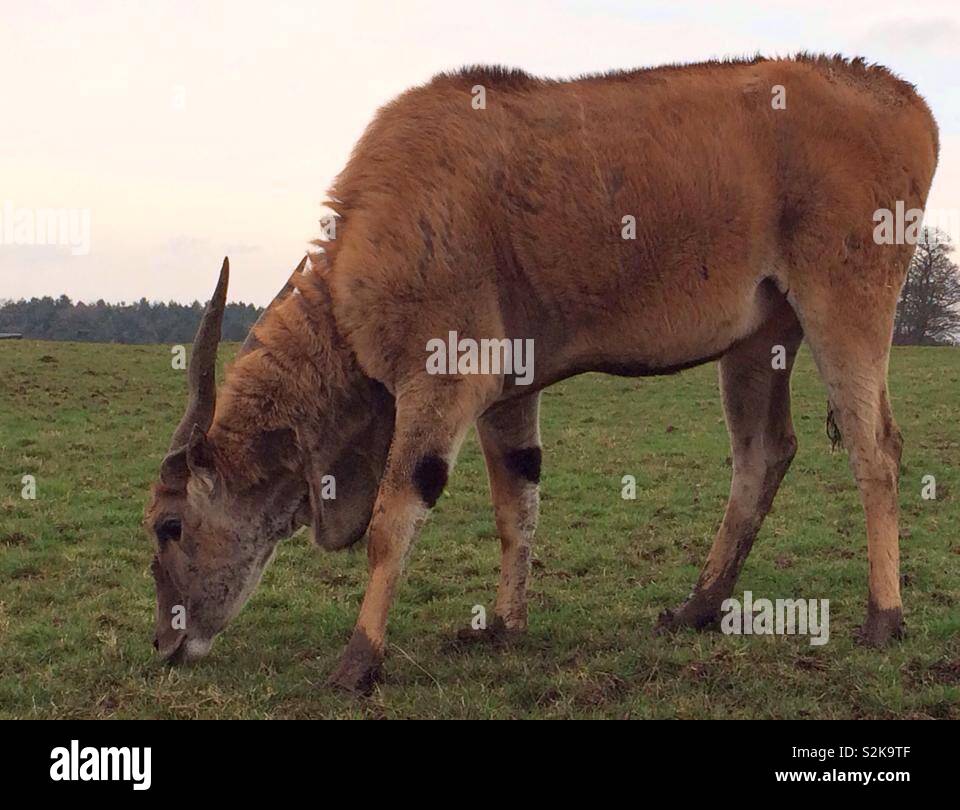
(14, 539)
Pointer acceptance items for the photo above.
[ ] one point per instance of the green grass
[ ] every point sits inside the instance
(91, 422)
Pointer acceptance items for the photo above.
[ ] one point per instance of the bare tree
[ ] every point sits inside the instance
(928, 312)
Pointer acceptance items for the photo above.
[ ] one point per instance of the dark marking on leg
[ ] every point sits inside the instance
(525, 463)
(430, 477)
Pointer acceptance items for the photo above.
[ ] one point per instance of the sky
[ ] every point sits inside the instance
(170, 134)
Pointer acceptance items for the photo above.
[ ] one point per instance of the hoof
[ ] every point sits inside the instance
(692, 613)
(360, 666)
(881, 627)
(497, 634)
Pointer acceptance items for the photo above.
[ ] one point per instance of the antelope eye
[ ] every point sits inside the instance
(168, 529)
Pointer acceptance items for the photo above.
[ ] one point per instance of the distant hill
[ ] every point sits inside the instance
(143, 322)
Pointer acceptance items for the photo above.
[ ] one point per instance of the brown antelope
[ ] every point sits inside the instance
(504, 220)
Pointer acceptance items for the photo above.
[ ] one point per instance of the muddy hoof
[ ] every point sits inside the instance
(360, 666)
(881, 627)
(689, 614)
(497, 634)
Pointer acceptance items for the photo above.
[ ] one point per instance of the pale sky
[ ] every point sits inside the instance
(191, 130)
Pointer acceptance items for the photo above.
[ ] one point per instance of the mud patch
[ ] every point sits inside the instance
(599, 689)
(14, 539)
(943, 672)
(810, 663)
(946, 672)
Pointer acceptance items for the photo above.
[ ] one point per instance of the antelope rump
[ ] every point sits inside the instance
(754, 231)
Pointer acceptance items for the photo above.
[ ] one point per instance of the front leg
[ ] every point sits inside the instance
(397, 518)
(429, 430)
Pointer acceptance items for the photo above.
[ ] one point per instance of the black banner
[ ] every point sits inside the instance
(183, 759)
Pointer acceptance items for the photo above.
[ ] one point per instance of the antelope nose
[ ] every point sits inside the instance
(156, 643)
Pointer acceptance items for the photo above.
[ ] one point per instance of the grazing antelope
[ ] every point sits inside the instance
(754, 230)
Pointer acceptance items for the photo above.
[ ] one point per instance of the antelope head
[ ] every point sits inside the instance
(216, 529)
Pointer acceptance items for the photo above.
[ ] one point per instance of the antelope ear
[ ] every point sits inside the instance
(173, 469)
(200, 458)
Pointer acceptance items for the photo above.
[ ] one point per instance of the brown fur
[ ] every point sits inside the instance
(754, 228)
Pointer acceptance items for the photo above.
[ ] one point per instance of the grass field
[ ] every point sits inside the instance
(91, 423)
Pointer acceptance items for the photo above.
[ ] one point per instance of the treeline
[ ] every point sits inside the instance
(143, 322)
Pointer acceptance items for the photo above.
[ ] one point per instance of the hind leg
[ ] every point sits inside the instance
(756, 403)
(851, 345)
